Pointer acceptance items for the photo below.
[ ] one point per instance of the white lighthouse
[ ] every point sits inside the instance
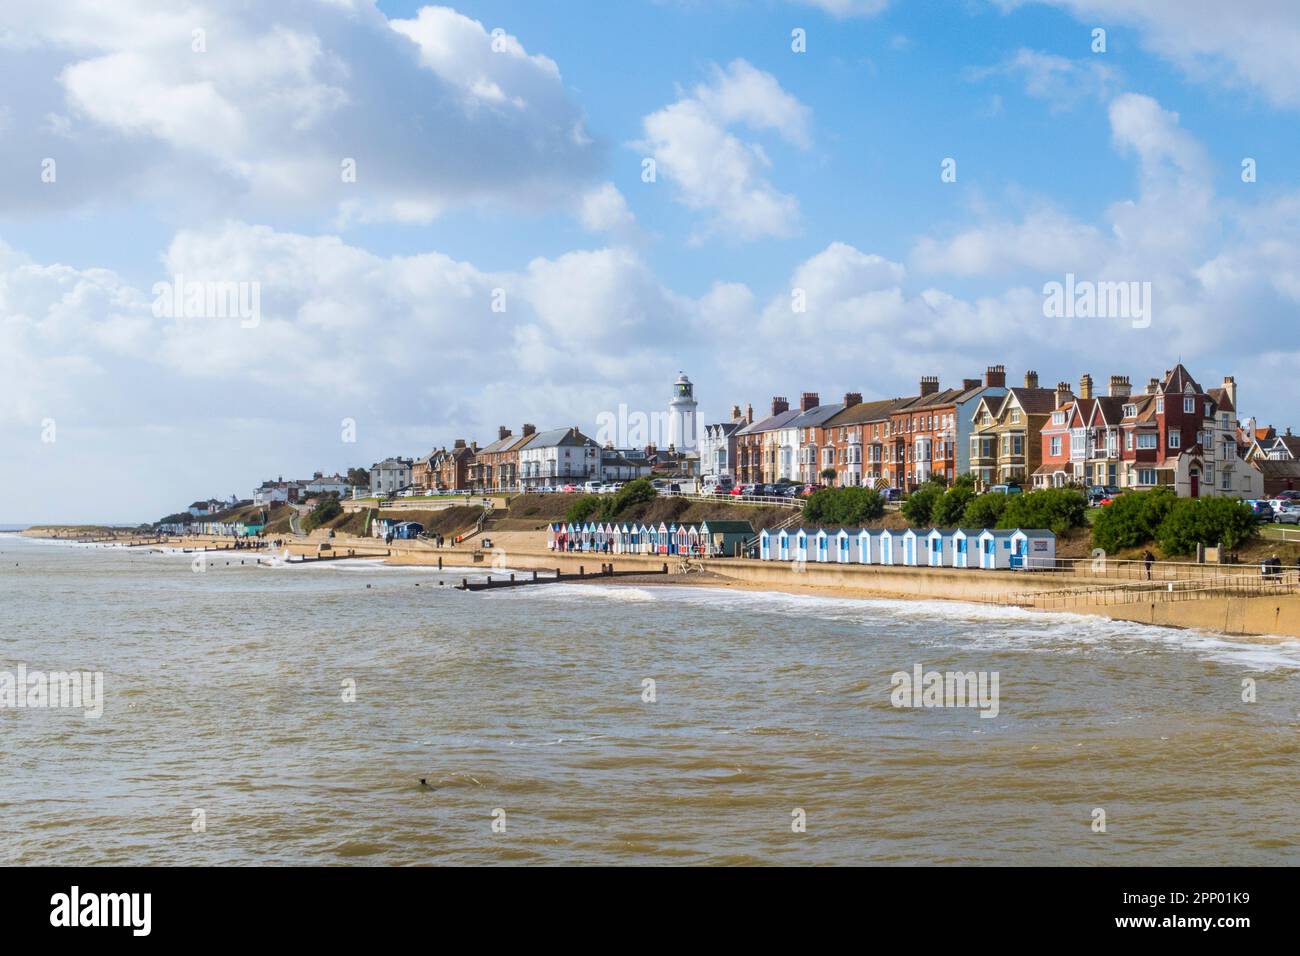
(681, 415)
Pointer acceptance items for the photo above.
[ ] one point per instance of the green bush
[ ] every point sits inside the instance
(848, 507)
(327, 509)
(633, 493)
(984, 511)
(1058, 509)
(1132, 519)
(949, 509)
(1208, 521)
(582, 509)
(920, 504)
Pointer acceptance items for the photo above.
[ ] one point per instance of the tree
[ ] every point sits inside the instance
(1132, 519)
(949, 509)
(1208, 521)
(358, 478)
(828, 475)
(920, 504)
(1058, 509)
(327, 509)
(853, 506)
(633, 493)
(984, 511)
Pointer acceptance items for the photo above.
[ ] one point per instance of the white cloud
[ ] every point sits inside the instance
(604, 209)
(848, 8)
(714, 170)
(1060, 81)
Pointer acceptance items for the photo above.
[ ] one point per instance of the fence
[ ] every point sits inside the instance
(1145, 592)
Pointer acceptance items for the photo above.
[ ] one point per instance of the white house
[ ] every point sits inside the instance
(390, 476)
(558, 456)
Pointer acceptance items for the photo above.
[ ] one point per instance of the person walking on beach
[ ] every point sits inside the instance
(1148, 560)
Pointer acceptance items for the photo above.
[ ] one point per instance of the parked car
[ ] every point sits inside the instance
(1011, 488)
(1259, 507)
(892, 494)
(1097, 493)
(1290, 514)
(1289, 495)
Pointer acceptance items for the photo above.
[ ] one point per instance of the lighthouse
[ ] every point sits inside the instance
(681, 415)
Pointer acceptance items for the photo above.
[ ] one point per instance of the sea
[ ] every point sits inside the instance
(289, 714)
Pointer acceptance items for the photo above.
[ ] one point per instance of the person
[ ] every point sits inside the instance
(1148, 560)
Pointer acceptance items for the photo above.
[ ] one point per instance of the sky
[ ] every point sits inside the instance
(446, 219)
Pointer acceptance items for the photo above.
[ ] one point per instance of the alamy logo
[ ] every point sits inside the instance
(39, 689)
(180, 299)
(1085, 299)
(103, 909)
(922, 688)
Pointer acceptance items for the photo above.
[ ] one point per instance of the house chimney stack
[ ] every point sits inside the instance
(530, 430)
(808, 401)
(780, 405)
(995, 376)
(460, 443)
(852, 398)
(1085, 386)
(502, 433)
(735, 413)
(1031, 379)
(1153, 386)
(929, 384)
(969, 383)
(749, 413)
(1230, 387)
(1063, 395)
(1120, 387)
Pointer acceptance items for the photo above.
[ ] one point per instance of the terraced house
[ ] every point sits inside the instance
(1006, 443)
(496, 466)
(757, 443)
(852, 440)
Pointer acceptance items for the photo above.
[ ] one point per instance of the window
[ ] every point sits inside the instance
(1058, 418)
(1056, 445)
(1175, 439)
(1209, 412)
(1148, 440)
(1130, 411)
(1015, 416)
(1128, 441)
(1146, 476)
(1160, 406)
(1189, 405)
(1227, 481)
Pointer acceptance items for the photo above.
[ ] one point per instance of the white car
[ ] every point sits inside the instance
(1289, 513)
(591, 487)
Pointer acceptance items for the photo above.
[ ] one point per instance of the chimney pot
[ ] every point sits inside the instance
(502, 432)
(1085, 386)
(929, 384)
(995, 376)
(530, 429)
(968, 383)
(808, 401)
(1031, 379)
(780, 405)
(852, 398)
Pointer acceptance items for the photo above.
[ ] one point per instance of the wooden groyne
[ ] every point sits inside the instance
(517, 581)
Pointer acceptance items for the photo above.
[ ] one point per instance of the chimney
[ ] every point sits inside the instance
(779, 405)
(1031, 380)
(749, 413)
(929, 384)
(1153, 386)
(735, 413)
(460, 443)
(473, 446)
(530, 430)
(1230, 387)
(502, 432)
(852, 398)
(1120, 387)
(968, 383)
(995, 376)
(808, 401)
(1063, 395)
(1085, 386)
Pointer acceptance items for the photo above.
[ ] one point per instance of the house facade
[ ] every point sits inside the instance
(800, 457)
(496, 466)
(390, 475)
(756, 444)
(1006, 438)
(558, 456)
(855, 439)
(718, 446)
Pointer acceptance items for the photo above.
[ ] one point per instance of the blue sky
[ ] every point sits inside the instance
(520, 169)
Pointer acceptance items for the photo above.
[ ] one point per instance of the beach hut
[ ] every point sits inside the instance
(552, 535)
(965, 548)
(663, 538)
(886, 546)
(939, 547)
(864, 546)
(726, 539)
(843, 550)
(1033, 549)
(783, 545)
(912, 539)
(764, 545)
(994, 549)
(801, 544)
(822, 545)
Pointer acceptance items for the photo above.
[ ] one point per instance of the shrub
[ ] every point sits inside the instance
(949, 509)
(920, 504)
(1132, 519)
(852, 506)
(1058, 509)
(327, 509)
(984, 511)
(582, 509)
(633, 493)
(1208, 521)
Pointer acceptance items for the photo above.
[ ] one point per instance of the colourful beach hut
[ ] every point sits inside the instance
(765, 545)
(911, 546)
(965, 544)
(663, 538)
(864, 546)
(886, 545)
(994, 549)
(1033, 549)
(783, 545)
(801, 538)
(939, 547)
(822, 545)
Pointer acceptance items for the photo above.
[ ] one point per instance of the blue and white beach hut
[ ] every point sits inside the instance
(642, 539)
(965, 548)
(765, 545)
(864, 546)
(995, 549)
(823, 545)
(886, 542)
(662, 536)
(801, 539)
(843, 551)
(783, 545)
(1033, 549)
(939, 547)
(912, 539)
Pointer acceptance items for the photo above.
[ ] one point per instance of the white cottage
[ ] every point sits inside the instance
(801, 539)
(823, 546)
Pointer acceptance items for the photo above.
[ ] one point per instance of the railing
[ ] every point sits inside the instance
(1145, 592)
(777, 500)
